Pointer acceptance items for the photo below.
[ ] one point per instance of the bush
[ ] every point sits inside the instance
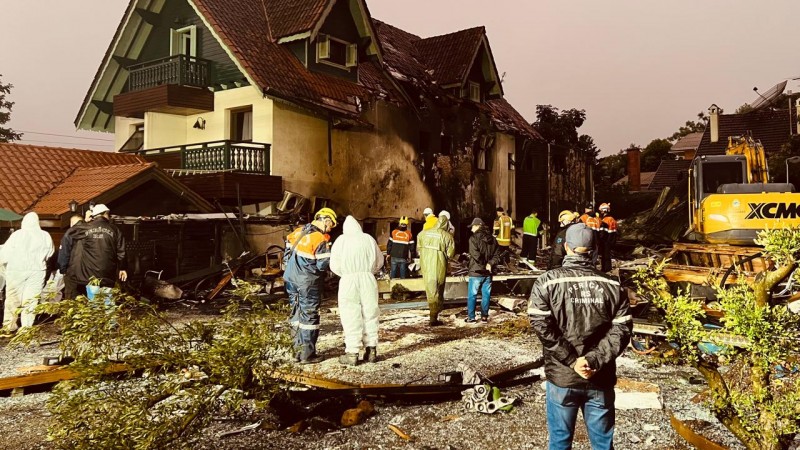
(760, 406)
(177, 375)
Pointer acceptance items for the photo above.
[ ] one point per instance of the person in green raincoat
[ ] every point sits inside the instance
(435, 247)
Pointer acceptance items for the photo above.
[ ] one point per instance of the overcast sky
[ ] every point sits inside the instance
(639, 68)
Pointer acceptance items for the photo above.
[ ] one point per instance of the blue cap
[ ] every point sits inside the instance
(580, 238)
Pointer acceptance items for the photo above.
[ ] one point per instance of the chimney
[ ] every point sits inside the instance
(634, 170)
(713, 115)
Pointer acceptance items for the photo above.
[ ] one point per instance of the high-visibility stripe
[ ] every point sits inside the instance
(304, 326)
(538, 312)
(323, 255)
(623, 319)
(431, 248)
(307, 255)
(530, 234)
(579, 279)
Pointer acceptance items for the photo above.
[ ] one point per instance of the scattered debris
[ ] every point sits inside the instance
(358, 414)
(402, 434)
(485, 399)
(686, 432)
(240, 430)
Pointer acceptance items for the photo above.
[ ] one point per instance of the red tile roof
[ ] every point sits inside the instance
(670, 173)
(27, 172)
(290, 17)
(86, 184)
(450, 56)
(772, 127)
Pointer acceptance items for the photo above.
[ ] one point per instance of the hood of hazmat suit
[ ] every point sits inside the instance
(355, 257)
(435, 247)
(29, 248)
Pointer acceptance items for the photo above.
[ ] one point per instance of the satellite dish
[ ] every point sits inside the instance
(768, 97)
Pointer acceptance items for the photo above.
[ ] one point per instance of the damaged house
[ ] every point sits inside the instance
(243, 100)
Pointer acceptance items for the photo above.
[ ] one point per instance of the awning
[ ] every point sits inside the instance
(8, 216)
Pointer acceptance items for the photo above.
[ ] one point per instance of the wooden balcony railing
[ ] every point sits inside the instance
(180, 70)
(250, 157)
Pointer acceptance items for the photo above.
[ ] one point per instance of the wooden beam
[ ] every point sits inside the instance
(51, 376)
(123, 61)
(148, 16)
(104, 106)
(692, 437)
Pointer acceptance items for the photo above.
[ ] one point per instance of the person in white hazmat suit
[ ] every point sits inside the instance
(25, 256)
(356, 257)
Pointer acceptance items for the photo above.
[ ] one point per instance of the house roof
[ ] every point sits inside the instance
(290, 17)
(250, 30)
(770, 126)
(689, 142)
(450, 56)
(669, 173)
(105, 184)
(27, 172)
(645, 178)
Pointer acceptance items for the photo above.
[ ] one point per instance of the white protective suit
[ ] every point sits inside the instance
(356, 257)
(25, 255)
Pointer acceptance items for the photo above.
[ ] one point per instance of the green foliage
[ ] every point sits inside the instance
(691, 126)
(188, 371)
(6, 134)
(561, 129)
(776, 161)
(760, 407)
(652, 155)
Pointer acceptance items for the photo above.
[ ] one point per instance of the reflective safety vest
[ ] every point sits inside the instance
(307, 255)
(593, 222)
(530, 227)
(609, 224)
(401, 244)
(502, 230)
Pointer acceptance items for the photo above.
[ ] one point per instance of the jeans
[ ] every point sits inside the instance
(484, 285)
(399, 268)
(562, 412)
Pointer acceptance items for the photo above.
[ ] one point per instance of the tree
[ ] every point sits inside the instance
(777, 161)
(611, 168)
(691, 126)
(758, 397)
(561, 129)
(652, 155)
(192, 371)
(745, 108)
(6, 134)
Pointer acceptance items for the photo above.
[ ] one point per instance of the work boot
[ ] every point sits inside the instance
(349, 359)
(371, 354)
(313, 359)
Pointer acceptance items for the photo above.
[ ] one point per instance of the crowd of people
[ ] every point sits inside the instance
(576, 310)
(89, 260)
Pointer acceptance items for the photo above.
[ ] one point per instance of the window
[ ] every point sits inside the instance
(336, 52)
(183, 41)
(136, 141)
(242, 125)
(718, 173)
(474, 92)
(483, 159)
(446, 144)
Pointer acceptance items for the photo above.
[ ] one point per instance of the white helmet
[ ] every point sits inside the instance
(427, 212)
(445, 213)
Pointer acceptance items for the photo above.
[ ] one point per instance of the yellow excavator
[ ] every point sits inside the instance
(730, 201)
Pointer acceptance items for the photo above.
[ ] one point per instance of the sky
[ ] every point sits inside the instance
(639, 68)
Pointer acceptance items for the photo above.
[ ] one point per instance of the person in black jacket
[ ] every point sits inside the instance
(102, 253)
(69, 253)
(583, 324)
(483, 255)
(557, 251)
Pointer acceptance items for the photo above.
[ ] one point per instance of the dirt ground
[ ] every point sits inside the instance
(413, 353)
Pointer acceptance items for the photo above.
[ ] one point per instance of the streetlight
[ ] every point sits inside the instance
(793, 159)
(73, 206)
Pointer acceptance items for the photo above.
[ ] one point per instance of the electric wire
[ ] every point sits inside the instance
(66, 136)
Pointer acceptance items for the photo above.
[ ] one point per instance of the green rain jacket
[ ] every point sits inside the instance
(530, 226)
(435, 247)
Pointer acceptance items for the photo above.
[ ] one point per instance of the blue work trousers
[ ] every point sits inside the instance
(399, 268)
(304, 299)
(482, 285)
(563, 405)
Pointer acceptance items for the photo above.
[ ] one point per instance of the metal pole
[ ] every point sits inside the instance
(549, 199)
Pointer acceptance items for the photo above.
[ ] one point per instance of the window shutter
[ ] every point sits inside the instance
(323, 47)
(352, 55)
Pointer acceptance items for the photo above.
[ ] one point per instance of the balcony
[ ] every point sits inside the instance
(173, 85)
(225, 171)
(216, 156)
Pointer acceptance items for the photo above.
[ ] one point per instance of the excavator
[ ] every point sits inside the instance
(730, 201)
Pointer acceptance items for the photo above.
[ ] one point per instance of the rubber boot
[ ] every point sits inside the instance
(434, 320)
(371, 354)
(349, 359)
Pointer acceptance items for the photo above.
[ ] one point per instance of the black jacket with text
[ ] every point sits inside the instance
(102, 253)
(577, 311)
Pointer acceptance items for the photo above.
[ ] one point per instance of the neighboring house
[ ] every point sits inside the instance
(686, 147)
(772, 127)
(645, 177)
(314, 97)
(670, 173)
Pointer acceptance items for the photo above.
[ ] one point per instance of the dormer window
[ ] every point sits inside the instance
(474, 92)
(336, 52)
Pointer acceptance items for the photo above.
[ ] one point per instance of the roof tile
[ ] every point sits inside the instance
(27, 172)
(669, 173)
(772, 127)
